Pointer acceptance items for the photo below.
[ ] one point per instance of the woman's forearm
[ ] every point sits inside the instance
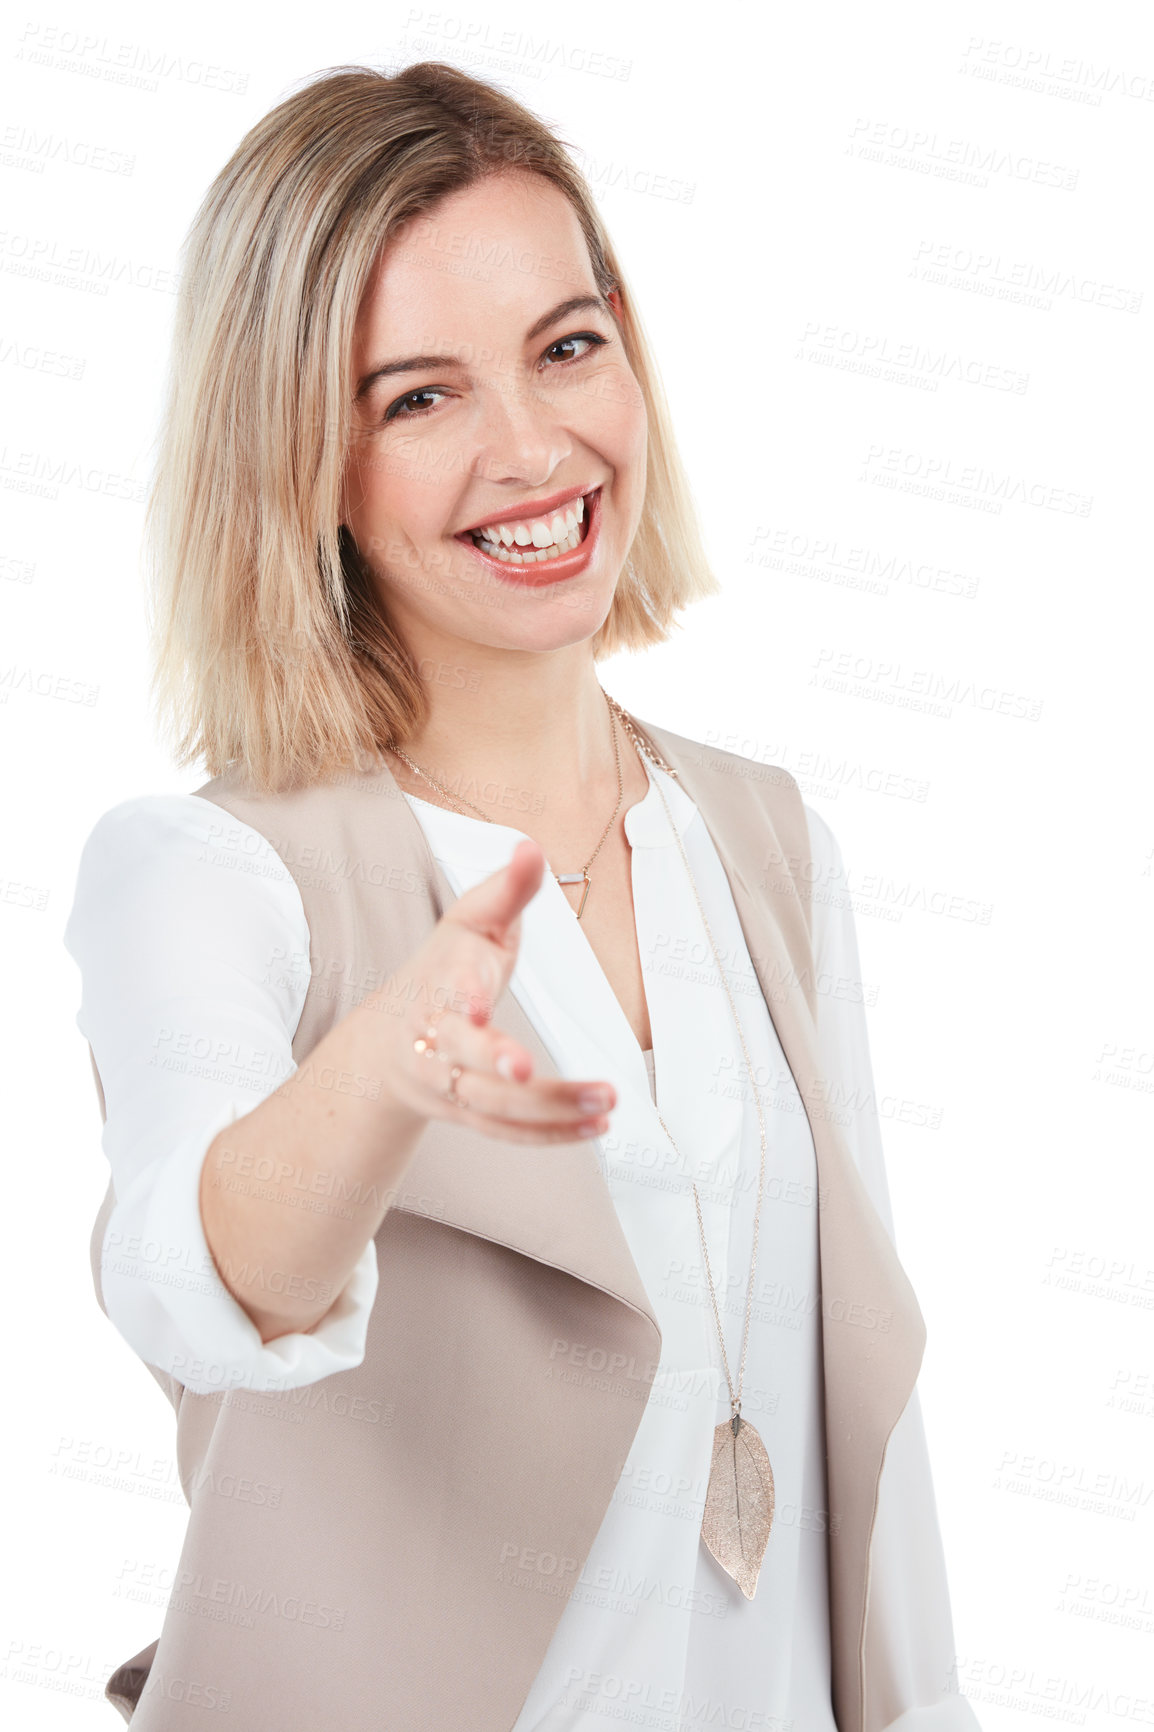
(291, 1193)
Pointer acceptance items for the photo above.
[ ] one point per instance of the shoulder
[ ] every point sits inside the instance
(157, 855)
(720, 758)
(155, 839)
(152, 826)
(739, 786)
(808, 842)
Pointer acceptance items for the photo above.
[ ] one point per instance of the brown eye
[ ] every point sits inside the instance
(581, 337)
(398, 410)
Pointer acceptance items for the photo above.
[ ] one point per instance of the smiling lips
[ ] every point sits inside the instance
(539, 541)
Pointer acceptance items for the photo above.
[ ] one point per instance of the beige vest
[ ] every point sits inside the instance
(390, 1549)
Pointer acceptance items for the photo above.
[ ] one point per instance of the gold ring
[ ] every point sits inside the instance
(427, 1044)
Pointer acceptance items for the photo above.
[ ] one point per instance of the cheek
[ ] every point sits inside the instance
(376, 488)
(625, 422)
(398, 522)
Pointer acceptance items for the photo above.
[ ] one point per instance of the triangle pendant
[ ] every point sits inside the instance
(576, 878)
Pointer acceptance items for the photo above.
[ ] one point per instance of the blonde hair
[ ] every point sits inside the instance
(272, 653)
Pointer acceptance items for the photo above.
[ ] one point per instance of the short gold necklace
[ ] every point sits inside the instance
(582, 877)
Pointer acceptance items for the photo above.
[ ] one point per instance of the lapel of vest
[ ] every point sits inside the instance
(873, 1332)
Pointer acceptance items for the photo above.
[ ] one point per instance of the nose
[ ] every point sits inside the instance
(520, 436)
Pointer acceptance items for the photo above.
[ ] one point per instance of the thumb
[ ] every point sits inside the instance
(493, 906)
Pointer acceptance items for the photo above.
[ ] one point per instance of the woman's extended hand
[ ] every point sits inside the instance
(464, 966)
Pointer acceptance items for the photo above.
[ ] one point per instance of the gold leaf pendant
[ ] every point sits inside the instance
(739, 1502)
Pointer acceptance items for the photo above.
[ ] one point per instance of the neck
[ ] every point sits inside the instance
(519, 735)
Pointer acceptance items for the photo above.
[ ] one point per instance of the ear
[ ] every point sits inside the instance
(614, 299)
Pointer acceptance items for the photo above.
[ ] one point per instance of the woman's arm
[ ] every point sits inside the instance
(842, 1016)
(194, 973)
(196, 964)
(287, 1224)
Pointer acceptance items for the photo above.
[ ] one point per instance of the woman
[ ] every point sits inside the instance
(474, 1056)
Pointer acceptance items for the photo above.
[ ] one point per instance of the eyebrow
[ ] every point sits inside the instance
(425, 363)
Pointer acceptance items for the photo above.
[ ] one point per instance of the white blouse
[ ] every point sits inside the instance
(193, 984)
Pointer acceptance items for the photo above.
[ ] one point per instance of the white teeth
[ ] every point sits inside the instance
(540, 533)
(534, 556)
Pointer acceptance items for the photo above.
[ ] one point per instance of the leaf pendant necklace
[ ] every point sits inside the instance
(739, 1502)
(739, 1499)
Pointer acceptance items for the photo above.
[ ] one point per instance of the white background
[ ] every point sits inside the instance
(850, 231)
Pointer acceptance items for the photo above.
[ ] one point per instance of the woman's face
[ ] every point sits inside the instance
(481, 399)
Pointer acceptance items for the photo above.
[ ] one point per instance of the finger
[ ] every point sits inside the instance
(466, 1037)
(494, 905)
(511, 1131)
(542, 1101)
(510, 1092)
(496, 1076)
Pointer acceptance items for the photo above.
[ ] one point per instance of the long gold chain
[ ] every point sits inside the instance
(734, 1398)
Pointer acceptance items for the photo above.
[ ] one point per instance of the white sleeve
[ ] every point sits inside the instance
(193, 948)
(914, 1644)
(841, 1015)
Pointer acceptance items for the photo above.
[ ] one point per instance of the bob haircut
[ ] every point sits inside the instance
(272, 653)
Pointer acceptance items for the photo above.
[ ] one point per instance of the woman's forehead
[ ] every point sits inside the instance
(508, 248)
